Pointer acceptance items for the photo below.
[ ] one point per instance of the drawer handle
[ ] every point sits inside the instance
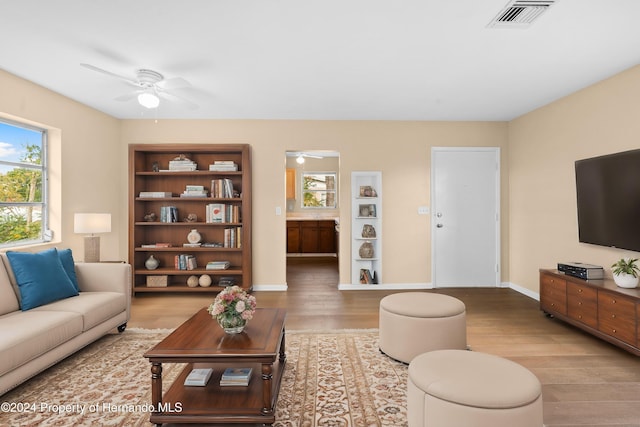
(579, 316)
(614, 331)
(579, 291)
(613, 301)
(580, 303)
(613, 316)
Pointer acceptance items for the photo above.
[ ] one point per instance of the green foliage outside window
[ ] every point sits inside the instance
(319, 190)
(21, 197)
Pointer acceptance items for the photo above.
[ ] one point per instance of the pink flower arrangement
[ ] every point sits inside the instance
(233, 303)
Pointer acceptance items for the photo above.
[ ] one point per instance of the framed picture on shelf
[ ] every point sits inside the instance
(367, 211)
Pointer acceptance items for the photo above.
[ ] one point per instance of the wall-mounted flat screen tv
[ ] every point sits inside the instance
(608, 195)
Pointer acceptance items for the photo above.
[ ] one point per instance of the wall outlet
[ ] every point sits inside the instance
(423, 210)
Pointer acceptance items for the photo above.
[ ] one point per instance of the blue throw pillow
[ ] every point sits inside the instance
(69, 265)
(40, 277)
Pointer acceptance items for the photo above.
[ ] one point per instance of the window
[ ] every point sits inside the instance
(23, 184)
(319, 190)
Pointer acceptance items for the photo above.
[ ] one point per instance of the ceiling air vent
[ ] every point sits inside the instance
(520, 13)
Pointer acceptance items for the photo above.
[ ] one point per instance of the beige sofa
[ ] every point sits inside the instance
(35, 339)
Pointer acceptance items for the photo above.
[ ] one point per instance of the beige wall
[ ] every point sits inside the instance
(543, 146)
(91, 173)
(86, 173)
(401, 150)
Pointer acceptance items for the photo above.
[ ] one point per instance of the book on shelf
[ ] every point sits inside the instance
(218, 265)
(223, 166)
(227, 281)
(198, 377)
(222, 188)
(185, 262)
(182, 165)
(156, 245)
(365, 277)
(194, 191)
(222, 213)
(233, 237)
(236, 377)
(191, 245)
(168, 214)
(155, 194)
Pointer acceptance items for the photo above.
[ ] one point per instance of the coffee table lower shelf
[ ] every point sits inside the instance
(215, 404)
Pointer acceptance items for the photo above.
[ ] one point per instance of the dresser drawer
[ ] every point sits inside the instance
(553, 294)
(617, 317)
(582, 304)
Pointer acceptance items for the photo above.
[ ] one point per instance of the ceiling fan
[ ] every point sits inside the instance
(151, 86)
(301, 156)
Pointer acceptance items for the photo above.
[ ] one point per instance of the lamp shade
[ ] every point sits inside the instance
(90, 223)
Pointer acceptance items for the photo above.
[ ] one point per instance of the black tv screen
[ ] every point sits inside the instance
(608, 194)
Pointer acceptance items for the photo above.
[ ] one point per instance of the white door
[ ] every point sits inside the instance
(465, 223)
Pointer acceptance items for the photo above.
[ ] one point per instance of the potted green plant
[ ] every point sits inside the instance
(625, 272)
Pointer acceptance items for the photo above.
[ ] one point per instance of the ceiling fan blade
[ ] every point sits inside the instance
(178, 99)
(311, 156)
(128, 96)
(109, 73)
(173, 83)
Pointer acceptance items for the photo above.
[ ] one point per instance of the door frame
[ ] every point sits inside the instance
(497, 189)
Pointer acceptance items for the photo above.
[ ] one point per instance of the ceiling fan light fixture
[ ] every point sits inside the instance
(300, 159)
(149, 100)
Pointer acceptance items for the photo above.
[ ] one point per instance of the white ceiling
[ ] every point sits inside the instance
(320, 59)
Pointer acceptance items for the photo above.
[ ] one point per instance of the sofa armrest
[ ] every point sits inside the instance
(105, 277)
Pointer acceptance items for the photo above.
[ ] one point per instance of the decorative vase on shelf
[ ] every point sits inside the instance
(151, 263)
(366, 250)
(625, 280)
(194, 236)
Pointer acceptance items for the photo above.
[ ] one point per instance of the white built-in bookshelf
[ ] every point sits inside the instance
(366, 228)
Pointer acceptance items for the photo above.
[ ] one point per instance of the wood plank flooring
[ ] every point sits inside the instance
(586, 381)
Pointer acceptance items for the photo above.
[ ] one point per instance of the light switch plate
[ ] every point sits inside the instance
(423, 210)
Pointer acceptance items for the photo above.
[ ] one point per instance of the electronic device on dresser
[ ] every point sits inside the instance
(583, 271)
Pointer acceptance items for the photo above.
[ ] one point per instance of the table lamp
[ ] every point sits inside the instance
(91, 223)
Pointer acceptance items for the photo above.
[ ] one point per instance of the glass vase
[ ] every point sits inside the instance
(231, 324)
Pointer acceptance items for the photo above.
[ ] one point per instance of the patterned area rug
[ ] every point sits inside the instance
(332, 378)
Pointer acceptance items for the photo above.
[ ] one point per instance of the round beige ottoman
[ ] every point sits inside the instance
(453, 388)
(412, 323)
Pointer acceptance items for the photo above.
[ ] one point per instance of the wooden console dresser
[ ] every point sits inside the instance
(596, 306)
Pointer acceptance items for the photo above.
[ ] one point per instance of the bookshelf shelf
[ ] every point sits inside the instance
(148, 164)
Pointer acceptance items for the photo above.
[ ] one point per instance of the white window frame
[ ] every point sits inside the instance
(45, 232)
(334, 190)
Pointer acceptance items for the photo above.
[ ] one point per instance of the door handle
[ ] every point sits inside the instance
(439, 225)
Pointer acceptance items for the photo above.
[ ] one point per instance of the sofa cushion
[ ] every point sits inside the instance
(69, 265)
(27, 335)
(40, 277)
(94, 307)
(9, 300)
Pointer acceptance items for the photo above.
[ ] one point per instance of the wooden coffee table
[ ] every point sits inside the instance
(200, 342)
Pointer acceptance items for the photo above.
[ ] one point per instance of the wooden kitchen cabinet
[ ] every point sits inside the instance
(311, 236)
(290, 183)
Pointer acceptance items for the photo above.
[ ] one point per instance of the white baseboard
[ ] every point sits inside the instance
(523, 291)
(383, 286)
(270, 288)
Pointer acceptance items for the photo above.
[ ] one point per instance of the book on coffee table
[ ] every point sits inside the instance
(236, 377)
(198, 377)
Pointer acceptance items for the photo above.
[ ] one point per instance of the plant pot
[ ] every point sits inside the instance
(625, 280)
